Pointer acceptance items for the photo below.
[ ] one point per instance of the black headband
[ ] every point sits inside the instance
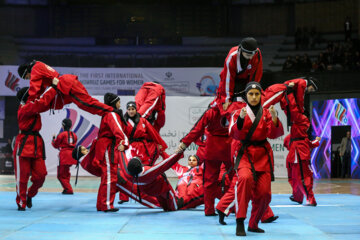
(253, 85)
(131, 104)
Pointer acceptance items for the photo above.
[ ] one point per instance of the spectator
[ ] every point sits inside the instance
(345, 154)
(357, 60)
(321, 63)
(298, 38)
(305, 64)
(288, 65)
(347, 28)
(305, 39)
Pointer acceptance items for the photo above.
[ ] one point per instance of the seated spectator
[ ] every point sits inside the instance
(306, 64)
(357, 61)
(321, 63)
(288, 65)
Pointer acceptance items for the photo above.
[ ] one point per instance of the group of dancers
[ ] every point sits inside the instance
(234, 161)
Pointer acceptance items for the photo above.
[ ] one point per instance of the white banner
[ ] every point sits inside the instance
(127, 81)
(181, 114)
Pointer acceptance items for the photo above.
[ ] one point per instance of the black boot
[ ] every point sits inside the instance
(122, 201)
(221, 217)
(180, 203)
(240, 228)
(112, 210)
(292, 199)
(21, 208)
(257, 230)
(29, 202)
(270, 219)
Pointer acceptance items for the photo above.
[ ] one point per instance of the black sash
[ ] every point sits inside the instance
(247, 142)
(32, 133)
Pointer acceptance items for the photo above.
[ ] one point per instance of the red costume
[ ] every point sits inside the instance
(150, 104)
(298, 160)
(144, 140)
(65, 142)
(70, 87)
(126, 188)
(234, 77)
(190, 185)
(29, 150)
(150, 181)
(291, 98)
(111, 135)
(255, 165)
(216, 152)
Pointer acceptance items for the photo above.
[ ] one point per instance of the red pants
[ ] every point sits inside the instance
(129, 189)
(193, 194)
(302, 182)
(244, 188)
(123, 196)
(82, 99)
(23, 168)
(157, 193)
(64, 175)
(211, 176)
(107, 189)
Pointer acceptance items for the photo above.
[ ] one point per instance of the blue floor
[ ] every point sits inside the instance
(55, 216)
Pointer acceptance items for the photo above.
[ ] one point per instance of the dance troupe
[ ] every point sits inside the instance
(234, 161)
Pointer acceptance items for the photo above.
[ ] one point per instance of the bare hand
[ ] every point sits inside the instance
(55, 81)
(272, 111)
(159, 147)
(291, 84)
(243, 113)
(121, 148)
(182, 147)
(318, 138)
(226, 105)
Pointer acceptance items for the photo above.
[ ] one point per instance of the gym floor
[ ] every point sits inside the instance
(57, 216)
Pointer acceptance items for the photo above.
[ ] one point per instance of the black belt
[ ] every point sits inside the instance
(296, 139)
(35, 134)
(262, 143)
(142, 141)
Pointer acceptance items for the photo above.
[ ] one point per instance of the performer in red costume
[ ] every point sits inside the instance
(242, 65)
(29, 150)
(86, 159)
(291, 95)
(150, 101)
(150, 180)
(216, 152)
(111, 140)
(70, 89)
(254, 159)
(298, 161)
(65, 142)
(145, 142)
(189, 189)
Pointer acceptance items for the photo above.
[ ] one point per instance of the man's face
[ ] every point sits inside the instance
(192, 161)
(253, 97)
(348, 134)
(248, 56)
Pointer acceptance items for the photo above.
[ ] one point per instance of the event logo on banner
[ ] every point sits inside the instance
(84, 130)
(12, 82)
(208, 84)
